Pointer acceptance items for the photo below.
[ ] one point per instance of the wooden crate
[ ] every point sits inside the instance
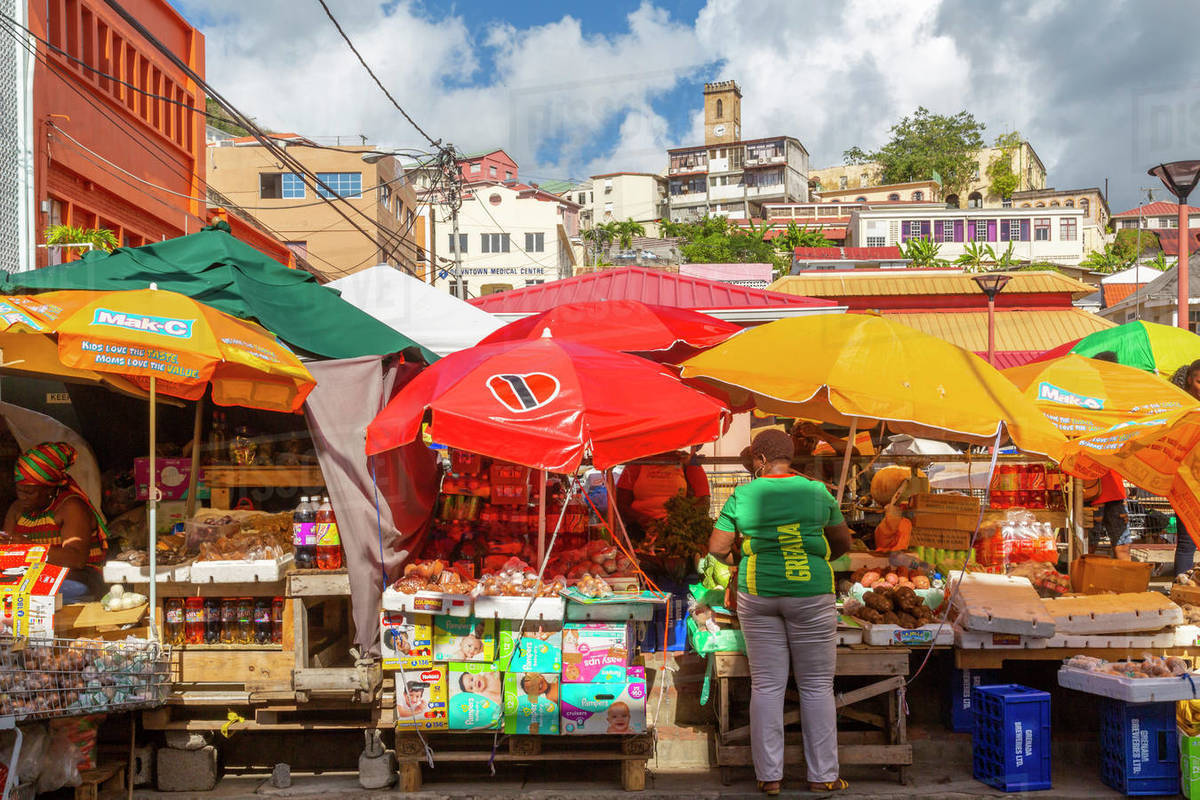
(321, 613)
(942, 539)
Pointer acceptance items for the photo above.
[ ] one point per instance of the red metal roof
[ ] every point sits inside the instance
(1158, 208)
(849, 253)
(1168, 240)
(638, 283)
(1011, 358)
(1116, 292)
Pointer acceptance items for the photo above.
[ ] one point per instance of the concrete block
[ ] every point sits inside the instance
(187, 770)
(188, 740)
(281, 776)
(143, 764)
(376, 772)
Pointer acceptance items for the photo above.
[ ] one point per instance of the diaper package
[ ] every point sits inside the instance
(421, 699)
(405, 640)
(599, 708)
(464, 639)
(595, 652)
(539, 648)
(531, 703)
(476, 697)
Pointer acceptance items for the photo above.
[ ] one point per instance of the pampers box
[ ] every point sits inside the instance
(464, 639)
(595, 708)
(405, 640)
(540, 648)
(531, 703)
(476, 697)
(595, 652)
(421, 699)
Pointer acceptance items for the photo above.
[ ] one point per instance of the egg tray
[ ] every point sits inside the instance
(43, 678)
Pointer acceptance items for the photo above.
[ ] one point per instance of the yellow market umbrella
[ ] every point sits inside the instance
(1158, 454)
(168, 342)
(1081, 395)
(844, 367)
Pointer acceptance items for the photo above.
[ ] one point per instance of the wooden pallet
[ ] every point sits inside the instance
(631, 752)
(320, 610)
(108, 778)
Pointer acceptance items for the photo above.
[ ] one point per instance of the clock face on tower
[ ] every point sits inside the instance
(718, 130)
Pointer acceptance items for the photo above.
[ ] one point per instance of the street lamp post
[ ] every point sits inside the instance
(992, 283)
(1180, 178)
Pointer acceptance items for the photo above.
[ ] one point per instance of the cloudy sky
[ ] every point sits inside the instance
(1103, 89)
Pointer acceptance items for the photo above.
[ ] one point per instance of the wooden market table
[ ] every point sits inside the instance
(887, 745)
(222, 480)
(994, 658)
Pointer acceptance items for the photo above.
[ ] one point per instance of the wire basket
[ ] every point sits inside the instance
(42, 678)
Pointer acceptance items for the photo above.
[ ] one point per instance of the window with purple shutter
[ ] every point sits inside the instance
(1004, 230)
(958, 230)
(937, 233)
(991, 228)
(925, 229)
(1024, 230)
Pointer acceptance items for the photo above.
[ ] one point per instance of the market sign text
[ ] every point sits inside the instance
(164, 326)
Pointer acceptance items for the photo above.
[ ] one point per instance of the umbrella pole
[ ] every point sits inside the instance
(152, 512)
(541, 515)
(846, 457)
(194, 475)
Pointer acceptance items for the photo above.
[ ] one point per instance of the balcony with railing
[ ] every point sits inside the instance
(766, 154)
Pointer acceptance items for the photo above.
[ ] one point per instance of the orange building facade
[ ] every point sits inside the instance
(118, 130)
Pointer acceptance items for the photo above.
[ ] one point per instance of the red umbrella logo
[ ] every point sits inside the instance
(524, 392)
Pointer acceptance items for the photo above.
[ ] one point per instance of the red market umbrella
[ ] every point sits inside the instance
(662, 333)
(546, 403)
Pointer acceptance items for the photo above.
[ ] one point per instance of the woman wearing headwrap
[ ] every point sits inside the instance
(51, 509)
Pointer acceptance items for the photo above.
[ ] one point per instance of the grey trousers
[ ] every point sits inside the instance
(796, 632)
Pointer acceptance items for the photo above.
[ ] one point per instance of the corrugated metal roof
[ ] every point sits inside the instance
(1003, 359)
(1035, 329)
(638, 283)
(848, 253)
(898, 283)
(1159, 208)
(1116, 292)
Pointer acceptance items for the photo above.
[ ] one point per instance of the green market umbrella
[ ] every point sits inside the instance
(1161, 349)
(213, 267)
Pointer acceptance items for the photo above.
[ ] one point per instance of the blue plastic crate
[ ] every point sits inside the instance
(1139, 748)
(962, 686)
(1011, 739)
(676, 631)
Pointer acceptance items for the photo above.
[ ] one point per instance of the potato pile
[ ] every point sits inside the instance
(900, 605)
(891, 576)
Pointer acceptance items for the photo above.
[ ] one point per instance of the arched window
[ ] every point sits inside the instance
(975, 200)
(860, 199)
(1085, 207)
(1039, 204)
(1069, 203)
(918, 196)
(720, 108)
(952, 201)
(1024, 205)
(1054, 204)
(893, 196)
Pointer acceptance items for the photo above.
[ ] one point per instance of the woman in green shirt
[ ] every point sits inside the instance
(791, 529)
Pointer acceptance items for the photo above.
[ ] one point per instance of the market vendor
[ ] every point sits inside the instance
(791, 528)
(51, 509)
(646, 485)
(806, 438)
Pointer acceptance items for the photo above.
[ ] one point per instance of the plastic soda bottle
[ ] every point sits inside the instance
(173, 620)
(193, 620)
(245, 620)
(304, 525)
(212, 621)
(277, 620)
(329, 541)
(262, 620)
(229, 621)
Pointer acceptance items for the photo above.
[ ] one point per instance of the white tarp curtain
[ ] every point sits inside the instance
(424, 313)
(348, 395)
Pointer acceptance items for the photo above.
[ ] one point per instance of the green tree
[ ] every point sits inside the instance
(800, 236)
(625, 230)
(1003, 260)
(1160, 263)
(973, 257)
(98, 238)
(1003, 180)
(713, 240)
(1109, 260)
(922, 252)
(601, 237)
(925, 143)
(1134, 244)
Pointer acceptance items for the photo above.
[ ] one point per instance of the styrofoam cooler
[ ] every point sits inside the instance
(963, 683)
(1011, 739)
(1139, 748)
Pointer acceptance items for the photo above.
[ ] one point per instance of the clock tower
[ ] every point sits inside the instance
(722, 112)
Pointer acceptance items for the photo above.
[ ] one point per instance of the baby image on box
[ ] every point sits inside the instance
(531, 703)
(421, 700)
(405, 640)
(538, 648)
(476, 697)
(464, 639)
(605, 708)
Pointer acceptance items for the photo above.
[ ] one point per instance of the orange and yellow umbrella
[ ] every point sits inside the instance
(1081, 395)
(167, 338)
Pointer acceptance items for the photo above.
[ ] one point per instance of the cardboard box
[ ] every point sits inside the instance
(170, 514)
(595, 652)
(476, 697)
(605, 708)
(539, 650)
(1189, 764)
(405, 641)
(531, 703)
(421, 699)
(28, 590)
(464, 639)
(171, 476)
(1099, 575)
